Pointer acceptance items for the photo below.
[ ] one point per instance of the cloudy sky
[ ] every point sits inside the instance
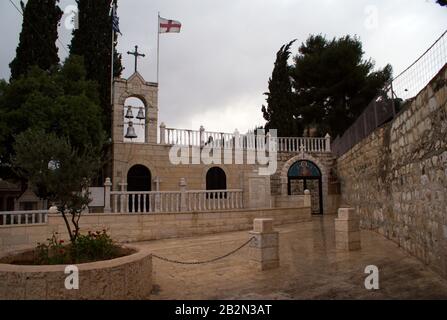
(214, 72)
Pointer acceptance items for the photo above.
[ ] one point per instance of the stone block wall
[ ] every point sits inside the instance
(123, 278)
(156, 158)
(396, 178)
(142, 227)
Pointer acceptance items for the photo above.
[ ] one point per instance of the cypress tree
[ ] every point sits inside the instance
(93, 41)
(37, 44)
(279, 112)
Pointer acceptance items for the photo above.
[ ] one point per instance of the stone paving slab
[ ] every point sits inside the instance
(310, 268)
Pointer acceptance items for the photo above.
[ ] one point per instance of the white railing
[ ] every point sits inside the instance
(304, 144)
(201, 138)
(145, 202)
(214, 200)
(175, 201)
(184, 137)
(19, 218)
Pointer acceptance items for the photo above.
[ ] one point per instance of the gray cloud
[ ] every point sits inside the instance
(216, 70)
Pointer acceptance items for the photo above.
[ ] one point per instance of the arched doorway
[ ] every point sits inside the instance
(139, 179)
(305, 175)
(216, 179)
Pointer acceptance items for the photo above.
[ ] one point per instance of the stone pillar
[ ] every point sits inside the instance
(202, 136)
(307, 199)
(162, 133)
(53, 210)
(107, 189)
(264, 248)
(238, 148)
(182, 195)
(328, 143)
(123, 199)
(347, 230)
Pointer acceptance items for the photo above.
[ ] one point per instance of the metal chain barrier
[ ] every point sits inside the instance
(206, 261)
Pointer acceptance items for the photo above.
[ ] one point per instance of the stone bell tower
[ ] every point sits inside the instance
(147, 92)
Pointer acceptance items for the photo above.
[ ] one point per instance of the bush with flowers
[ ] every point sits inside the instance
(93, 246)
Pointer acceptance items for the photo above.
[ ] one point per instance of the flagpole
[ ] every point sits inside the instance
(158, 47)
(113, 4)
(108, 169)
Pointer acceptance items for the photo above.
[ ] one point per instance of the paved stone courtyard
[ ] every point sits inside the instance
(310, 268)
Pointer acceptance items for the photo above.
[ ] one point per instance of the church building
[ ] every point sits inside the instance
(144, 157)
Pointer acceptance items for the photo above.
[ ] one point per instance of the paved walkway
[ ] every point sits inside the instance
(311, 268)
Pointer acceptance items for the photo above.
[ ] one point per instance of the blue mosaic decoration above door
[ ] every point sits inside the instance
(304, 168)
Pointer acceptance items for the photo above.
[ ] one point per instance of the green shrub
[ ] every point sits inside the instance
(94, 246)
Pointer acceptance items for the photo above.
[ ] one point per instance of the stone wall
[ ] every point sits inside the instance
(156, 158)
(396, 178)
(140, 227)
(123, 278)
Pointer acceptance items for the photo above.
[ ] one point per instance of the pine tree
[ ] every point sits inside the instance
(280, 113)
(93, 41)
(37, 44)
(442, 2)
(333, 83)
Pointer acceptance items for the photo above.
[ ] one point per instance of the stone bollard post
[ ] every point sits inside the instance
(264, 248)
(107, 189)
(347, 230)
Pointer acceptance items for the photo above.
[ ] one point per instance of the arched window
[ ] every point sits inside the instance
(139, 178)
(216, 179)
(134, 111)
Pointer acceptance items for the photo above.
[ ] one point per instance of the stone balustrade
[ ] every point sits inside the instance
(250, 141)
(12, 218)
(175, 201)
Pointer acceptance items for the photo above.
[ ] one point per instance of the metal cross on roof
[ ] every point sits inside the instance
(136, 54)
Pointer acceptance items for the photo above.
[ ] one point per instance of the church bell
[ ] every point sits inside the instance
(140, 115)
(131, 134)
(129, 114)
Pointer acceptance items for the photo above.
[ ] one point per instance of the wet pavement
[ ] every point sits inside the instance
(310, 268)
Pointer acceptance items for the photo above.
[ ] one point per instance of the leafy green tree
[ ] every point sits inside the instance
(37, 44)
(93, 41)
(62, 102)
(333, 83)
(58, 172)
(280, 112)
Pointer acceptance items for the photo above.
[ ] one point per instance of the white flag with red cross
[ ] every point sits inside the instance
(168, 26)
